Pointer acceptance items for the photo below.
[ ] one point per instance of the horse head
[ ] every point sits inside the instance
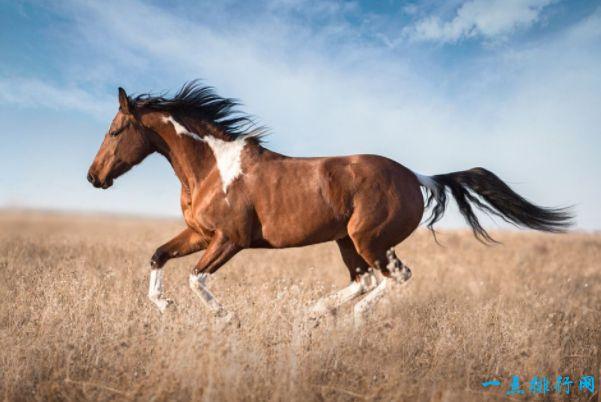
(124, 145)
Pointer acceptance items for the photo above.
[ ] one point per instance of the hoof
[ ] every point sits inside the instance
(313, 318)
(162, 303)
(226, 318)
(318, 310)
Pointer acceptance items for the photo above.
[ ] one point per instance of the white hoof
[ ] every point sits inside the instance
(226, 318)
(318, 310)
(161, 302)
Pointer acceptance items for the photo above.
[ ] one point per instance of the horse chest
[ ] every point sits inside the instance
(212, 211)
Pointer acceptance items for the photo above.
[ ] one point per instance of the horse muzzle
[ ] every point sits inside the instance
(96, 182)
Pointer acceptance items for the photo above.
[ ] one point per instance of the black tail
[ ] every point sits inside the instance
(486, 191)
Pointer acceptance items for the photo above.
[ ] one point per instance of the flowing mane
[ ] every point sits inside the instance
(201, 102)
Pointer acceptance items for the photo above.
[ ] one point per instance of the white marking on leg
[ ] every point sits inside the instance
(354, 289)
(399, 271)
(369, 280)
(198, 286)
(332, 301)
(227, 153)
(155, 290)
(369, 300)
(400, 274)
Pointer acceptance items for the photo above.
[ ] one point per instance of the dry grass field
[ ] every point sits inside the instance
(75, 323)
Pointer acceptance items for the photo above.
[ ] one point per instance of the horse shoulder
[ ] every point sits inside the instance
(229, 212)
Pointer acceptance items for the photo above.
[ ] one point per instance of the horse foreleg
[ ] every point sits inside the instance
(187, 242)
(155, 290)
(219, 251)
(198, 284)
(365, 283)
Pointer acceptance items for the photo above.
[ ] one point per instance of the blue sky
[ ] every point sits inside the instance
(511, 85)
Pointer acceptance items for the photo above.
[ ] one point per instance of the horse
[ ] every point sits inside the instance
(237, 194)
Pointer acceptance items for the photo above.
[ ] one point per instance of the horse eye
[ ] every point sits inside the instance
(118, 131)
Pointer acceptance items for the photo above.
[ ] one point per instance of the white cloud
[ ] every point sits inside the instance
(35, 93)
(479, 18)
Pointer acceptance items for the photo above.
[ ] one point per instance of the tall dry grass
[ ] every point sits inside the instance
(75, 323)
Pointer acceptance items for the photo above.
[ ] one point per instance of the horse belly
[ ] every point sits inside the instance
(300, 222)
(281, 236)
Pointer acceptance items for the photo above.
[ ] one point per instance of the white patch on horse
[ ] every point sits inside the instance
(181, 130)
(428, 182)
(370, 300)
(425, 181)
(227, 153)
(155, 290)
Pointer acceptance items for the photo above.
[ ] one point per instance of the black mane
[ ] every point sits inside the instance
(203, 103)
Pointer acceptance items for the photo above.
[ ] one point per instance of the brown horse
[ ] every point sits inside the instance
(237, 194)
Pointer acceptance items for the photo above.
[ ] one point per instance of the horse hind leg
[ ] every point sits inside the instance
(335, 300)
(395, 267)
(394, 270)
(363, 280)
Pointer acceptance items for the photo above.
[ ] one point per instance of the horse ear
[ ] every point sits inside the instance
(124, 103)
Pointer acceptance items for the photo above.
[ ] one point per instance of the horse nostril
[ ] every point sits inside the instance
(91, 178)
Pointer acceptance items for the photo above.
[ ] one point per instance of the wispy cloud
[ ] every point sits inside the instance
(35, 93)
(479, 18)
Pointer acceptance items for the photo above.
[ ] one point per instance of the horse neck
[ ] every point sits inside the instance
(191, 160)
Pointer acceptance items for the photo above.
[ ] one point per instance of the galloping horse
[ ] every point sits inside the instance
(237, 194)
